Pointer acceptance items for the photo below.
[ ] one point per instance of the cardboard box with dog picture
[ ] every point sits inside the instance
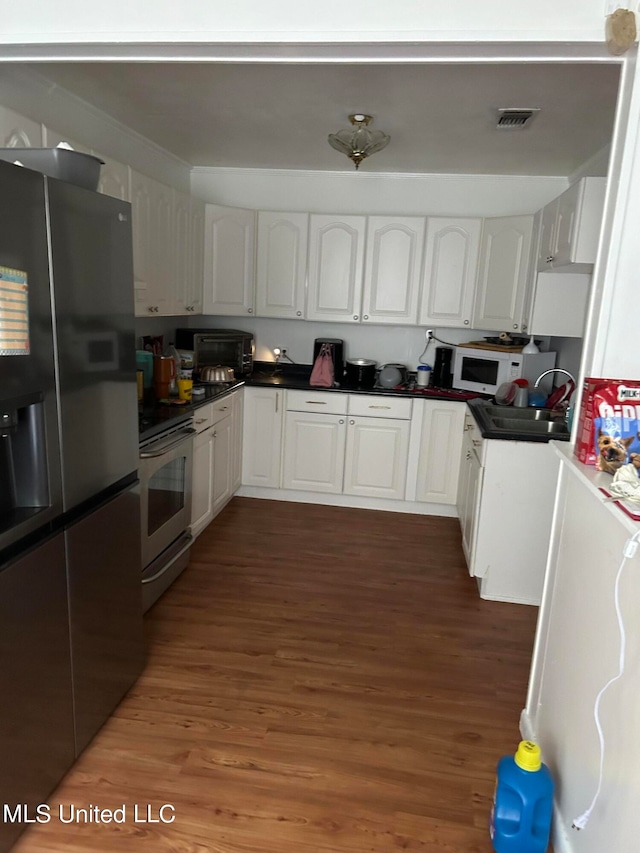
(609, 424)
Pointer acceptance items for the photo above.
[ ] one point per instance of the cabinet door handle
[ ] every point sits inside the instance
(355, 316)
(249, 310)
(468, 455)
(352, 422)
(298, 313)
(201, 420)
(515, 325)
(223, 408)
(316, 402)
(379, 407)
(215, 434)
(341, 421)
(365, 317)
(475, 442)
(466, 322)
(277, 395)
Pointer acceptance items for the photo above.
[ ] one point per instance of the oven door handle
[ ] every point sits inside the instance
(188, 433)
(168, 565)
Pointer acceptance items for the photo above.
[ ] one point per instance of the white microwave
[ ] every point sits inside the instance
(485, 371)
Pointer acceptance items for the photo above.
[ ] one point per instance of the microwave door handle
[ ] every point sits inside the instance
(167, 447)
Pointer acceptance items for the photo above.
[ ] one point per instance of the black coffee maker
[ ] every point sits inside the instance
(442, 376)
(337, 353)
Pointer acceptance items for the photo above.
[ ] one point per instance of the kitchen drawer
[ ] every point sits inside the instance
(220, 409)
(379, 406)
(326, 402)
(202, 417)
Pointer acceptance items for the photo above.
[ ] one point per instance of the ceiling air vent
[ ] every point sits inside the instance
(515, 119)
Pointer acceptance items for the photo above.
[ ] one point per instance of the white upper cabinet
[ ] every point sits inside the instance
(114, 178)
(450, 269)
(281, 264)
(570, 227)
(503, 273)
(182, 255)
(17, 131)
(228, 261)
(393, 263)
(193, 301)
(336, 258)
(153, 246)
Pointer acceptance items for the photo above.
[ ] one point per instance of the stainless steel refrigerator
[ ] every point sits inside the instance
(70, 604)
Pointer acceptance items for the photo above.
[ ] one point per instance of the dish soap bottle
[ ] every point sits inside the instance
(522, 803)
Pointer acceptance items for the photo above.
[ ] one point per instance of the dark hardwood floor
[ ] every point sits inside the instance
(320, 680)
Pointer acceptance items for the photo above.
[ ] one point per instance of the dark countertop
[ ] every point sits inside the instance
(155, 416)
(297, 378)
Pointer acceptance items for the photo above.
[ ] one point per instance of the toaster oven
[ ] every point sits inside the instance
(218, 347)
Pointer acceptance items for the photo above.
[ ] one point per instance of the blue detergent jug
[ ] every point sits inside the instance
(523, 802)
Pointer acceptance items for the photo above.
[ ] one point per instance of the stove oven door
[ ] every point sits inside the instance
(165, 481)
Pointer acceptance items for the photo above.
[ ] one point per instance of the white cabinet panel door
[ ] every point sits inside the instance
(202, 480)
(503, 273)
(336, 258)
(376, 457)
(182, 259)
(440, 450)
(450, 270)
(262, 437)
(17, 131)
(228, 261)
(223, 463)
(281, 264)
(314, 452)
(153, 246)
(393, 264)
(114, 178)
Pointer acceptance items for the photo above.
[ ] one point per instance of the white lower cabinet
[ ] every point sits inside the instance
(314, 452)
(505, 504)
(376, 457)
(441, 431)
(346, 444)
(468, 497)
(216, 454)
(202, 478)
(222, 463)
(262, 437)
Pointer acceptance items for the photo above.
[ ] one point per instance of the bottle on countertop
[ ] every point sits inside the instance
(173, 353)
(521, 400)
(423, 375)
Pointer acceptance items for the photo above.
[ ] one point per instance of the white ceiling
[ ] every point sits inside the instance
(441, 118)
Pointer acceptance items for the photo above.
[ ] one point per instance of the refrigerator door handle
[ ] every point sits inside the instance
(167, 447)
(168, 565)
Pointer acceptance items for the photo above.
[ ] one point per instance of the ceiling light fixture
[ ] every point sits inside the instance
(360, 142)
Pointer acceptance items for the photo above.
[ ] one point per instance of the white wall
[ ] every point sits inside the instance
(70, 21)
(355, 192)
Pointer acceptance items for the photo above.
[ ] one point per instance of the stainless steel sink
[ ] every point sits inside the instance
(528, 414)
(524, 426)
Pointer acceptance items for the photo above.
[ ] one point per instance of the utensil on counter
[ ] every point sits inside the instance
(217, 374)
(360, 373)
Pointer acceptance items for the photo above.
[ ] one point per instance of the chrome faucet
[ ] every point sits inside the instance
(554, 370)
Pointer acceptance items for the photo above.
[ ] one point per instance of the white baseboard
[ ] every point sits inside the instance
(386, 505)
(562, 842)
